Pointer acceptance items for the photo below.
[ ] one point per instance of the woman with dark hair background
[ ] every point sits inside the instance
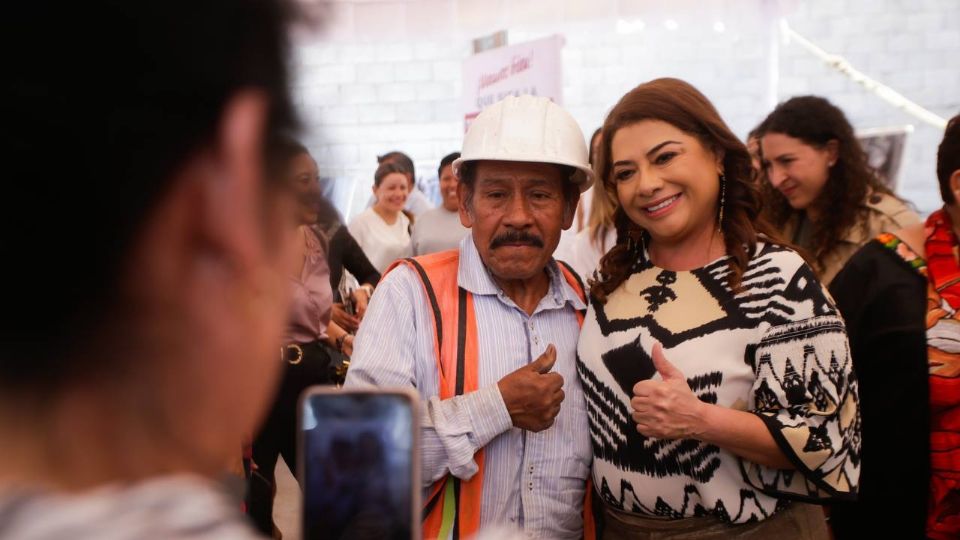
(821, 193)
(313, 342)
(719, 387)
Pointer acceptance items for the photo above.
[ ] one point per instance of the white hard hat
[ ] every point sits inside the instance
(527, 128)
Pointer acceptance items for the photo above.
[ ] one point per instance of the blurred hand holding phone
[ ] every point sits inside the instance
(345, 312)
(359, 464)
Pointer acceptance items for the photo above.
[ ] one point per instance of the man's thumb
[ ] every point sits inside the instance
(663, 366)
(545, 362)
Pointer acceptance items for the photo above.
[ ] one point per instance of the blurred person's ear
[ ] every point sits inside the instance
(211, 265)
(214, 209)
(235, 189)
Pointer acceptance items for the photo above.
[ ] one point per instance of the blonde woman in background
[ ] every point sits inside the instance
(592, 243)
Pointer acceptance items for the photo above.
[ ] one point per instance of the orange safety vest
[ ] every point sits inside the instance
(453, 508)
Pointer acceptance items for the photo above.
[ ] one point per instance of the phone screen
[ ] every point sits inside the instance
(358, 465)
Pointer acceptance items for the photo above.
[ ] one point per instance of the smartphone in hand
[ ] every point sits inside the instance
(359, 464)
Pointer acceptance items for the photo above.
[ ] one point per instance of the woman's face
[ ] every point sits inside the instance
(304, 177)
(796, 169)
(667, 181)
(392, 192)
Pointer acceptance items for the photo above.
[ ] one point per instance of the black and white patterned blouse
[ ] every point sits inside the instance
(776, 348)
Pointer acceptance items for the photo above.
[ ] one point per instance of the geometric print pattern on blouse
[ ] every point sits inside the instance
(804, 388)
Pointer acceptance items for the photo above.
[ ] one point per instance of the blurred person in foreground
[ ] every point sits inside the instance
(900, 296)
(140, 342)
(487, 335)
(440, 229)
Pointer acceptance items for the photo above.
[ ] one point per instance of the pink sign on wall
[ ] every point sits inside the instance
(526, 68)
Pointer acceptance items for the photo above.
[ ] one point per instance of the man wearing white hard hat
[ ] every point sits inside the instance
(487, 334)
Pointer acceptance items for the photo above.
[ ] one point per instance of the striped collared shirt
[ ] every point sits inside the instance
(534, 481)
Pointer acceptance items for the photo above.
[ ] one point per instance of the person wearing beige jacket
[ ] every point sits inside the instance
(881, 213)
(819, 190)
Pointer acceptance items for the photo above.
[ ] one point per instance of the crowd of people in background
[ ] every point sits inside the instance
(663, 332)
(803, 183)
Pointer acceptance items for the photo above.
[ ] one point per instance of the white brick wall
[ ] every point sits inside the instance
(913, 47)
(385, 75)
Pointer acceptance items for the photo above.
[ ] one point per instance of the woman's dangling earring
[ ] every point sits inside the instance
(723, 198)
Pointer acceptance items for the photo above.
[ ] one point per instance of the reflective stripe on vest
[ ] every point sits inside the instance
(452, 509)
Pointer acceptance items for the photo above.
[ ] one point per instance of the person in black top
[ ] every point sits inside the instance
(899, 296)
(344, 253)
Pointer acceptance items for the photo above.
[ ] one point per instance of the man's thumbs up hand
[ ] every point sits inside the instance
(533, 393)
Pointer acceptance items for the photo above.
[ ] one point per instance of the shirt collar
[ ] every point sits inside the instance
(474, 277)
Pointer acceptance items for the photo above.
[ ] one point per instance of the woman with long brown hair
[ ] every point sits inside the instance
(719, 388)
(598, 234)
(821, 193)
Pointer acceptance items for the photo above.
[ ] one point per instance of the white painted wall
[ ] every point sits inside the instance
(385, 75)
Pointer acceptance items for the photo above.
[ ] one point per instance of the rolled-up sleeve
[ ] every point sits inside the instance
(394, 347)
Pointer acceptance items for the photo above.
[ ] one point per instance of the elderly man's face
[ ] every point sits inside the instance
(516, 213)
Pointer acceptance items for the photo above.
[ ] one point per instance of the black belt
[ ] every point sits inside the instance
(336, 370)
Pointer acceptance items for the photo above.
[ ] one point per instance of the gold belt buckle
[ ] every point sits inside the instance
(296, 348)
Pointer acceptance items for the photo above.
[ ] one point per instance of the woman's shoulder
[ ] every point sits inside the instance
(914, 236)
(779, 282)
(887, 259)
(404, 219)
(361, 219)
(889, 213)
(785, 259)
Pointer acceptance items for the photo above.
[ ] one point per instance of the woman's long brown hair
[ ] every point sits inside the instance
(681, 105)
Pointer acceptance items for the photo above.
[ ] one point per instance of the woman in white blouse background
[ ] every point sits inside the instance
(383, 230)
(717, 373)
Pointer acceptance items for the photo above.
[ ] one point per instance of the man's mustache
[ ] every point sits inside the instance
(516, 237)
